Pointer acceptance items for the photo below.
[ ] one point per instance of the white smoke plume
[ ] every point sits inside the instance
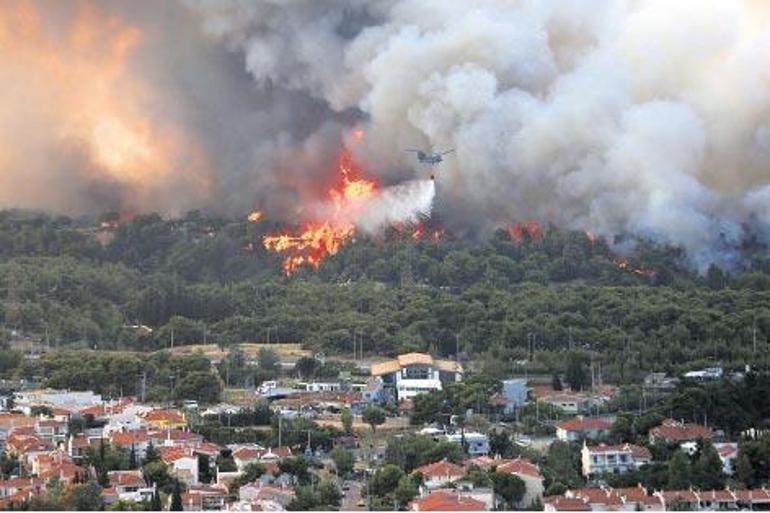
(647, 118)
(619, 117)
(407, 202)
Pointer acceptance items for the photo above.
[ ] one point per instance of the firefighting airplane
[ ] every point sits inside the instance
(426, 157)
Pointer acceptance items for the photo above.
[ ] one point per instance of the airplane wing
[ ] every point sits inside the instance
(448, 151)
(415, 151)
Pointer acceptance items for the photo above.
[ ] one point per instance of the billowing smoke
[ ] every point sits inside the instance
(648, 118)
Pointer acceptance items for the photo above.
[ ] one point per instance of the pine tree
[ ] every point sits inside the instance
(155, 504)
(176, 498)
(679, 471)
(707, 472)
(102, 477)
(744, 471)
(132, 461)
(151, 454)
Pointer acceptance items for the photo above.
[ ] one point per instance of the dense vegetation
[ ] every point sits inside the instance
(202, 278)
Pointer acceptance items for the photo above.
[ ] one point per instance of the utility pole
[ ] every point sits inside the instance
(172, 337)
(280, 418)
(754, 333)
(457, 347)
(144, 385)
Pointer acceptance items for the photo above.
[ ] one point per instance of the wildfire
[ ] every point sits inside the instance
(76, 85)
(317, 239)
(531, 228)
(255, 217)
(421, 232)
(623, 265)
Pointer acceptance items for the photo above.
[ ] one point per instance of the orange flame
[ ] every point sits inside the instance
(421, 232)
(622, 264)
(255, 217)
(531, 228)
(318, 239)
(77, 87)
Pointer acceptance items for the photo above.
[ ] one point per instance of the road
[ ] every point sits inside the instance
(352, 497)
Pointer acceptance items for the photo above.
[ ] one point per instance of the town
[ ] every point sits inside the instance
(414, 432)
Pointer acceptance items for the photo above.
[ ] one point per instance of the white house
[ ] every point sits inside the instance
(440, 474)
(728, 453)
(581, 428)
(130, 485)
(476, 444)
(414, 373)
(613, 459)
(182, 463)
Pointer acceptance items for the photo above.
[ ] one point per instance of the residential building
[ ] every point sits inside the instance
(560, 503)
(527, 472)
(165, 418)
(139, 440)
(613, 459)
(317, 386)
(581, 428)
(25, 400)
(571, 403)
(440, 474)
(515, 394)
(674, 431)
(51, 430)
(445, 500)
(182, 463)
(130, 485)
(660, 381)
(246, 454)
(728, 453)
(475, 444)
(373, 391)
(707, 374)
(638, 498)
(204, 498)
(414, 373)
(267, 497)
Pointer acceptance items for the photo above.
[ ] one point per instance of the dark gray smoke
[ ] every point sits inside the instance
(648, 119)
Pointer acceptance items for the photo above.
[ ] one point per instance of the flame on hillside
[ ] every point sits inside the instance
(422, 232)
(623, 265)
(530, 229)
(317, 239)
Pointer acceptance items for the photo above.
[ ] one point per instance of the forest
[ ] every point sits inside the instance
(504, 301)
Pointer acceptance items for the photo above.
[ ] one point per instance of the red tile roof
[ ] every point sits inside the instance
(440, 469)
(259, 453)
(126, 438)
(727, 450)
(441, 500)
(171, 454)
(637, 451)
(717, 495)
(582, 424)
(674, 430)
(167, 416)
(126, 478)
(758, 494)
(671, 496)
(484, 462)
(519, 466)
(568, 504)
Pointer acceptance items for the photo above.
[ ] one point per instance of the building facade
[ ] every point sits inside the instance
(415, 373)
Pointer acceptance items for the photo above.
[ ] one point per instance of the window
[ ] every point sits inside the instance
(417, 372)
